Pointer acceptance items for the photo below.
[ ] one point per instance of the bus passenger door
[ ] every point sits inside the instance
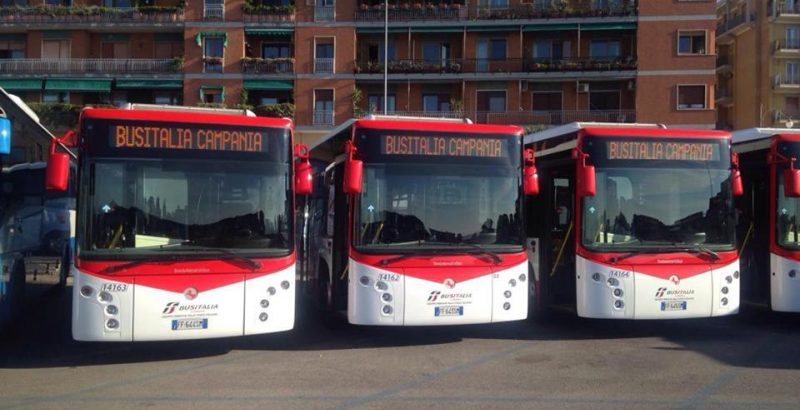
(558, 244)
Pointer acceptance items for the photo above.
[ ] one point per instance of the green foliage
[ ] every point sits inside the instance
(250, 7)
(275, 110)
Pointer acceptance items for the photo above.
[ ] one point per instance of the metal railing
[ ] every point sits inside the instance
(264, 16)
(555, 117)
(88, 65)
(323, 117)
(323, 65)
(508, 65)
(782, 80)
(89, 14)
(422, 114)
(324, 13)
(407, 12)
(787, 44)
(733, 22)
(268, 66)
(784, 8)
(214, 11)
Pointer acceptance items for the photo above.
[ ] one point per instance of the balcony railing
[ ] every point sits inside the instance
(555, 117)
(787, 8)
(323, 65)
(324, 13)
(90, 14)
(268, 66)
(787, 44)
(423, 114)
(782, 80)
(509, 65)
(407, 12)
(89, 66)
(214, 12)
(323, 117)
(733, 22)
(268, 14)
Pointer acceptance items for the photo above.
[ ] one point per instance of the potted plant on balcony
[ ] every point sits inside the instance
(176, 64)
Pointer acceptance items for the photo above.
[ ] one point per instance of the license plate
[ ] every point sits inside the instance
(449, 311)
(189, 324)
(669, 306)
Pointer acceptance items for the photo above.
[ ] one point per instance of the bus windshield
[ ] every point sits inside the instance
(421, 205)
(153, 207)
(788, 212)
(657, 201)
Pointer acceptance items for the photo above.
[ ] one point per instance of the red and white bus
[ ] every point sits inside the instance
(768, 225)
(418, 222)
(634, 221)
(184, 223)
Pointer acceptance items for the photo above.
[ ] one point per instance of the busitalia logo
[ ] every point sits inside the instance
(171, 306)
(434, 295)
(660, 292)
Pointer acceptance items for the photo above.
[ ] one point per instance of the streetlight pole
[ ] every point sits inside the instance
(386, 57)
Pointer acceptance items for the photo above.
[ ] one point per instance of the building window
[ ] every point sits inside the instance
(213, 54)
(11, 50)
(434, 53)
(168, 49)
(691, 42)
(117, 3)
(323, 56)
(604, 49)
(603, 100)
(212, 95)
(166, 98)
(792, 73)
(55, 49)
(51, 97)
(691, 97)
(547, 49)
(792, 37)
(791, 106)
(436, 103)
(375, 102)
(115, 49)
(214, 9)
(323, 107)
(276, 50)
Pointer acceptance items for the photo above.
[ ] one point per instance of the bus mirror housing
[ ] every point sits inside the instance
(588, 186)
(530, 177)
(791, 183)
(57, 170)
(303, 173)
(353, 175)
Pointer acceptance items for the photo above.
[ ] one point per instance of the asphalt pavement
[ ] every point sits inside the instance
(745, 361)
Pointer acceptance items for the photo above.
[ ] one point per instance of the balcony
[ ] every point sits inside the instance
(323, 66)
(324, 13)
(462, 65)
(788, 47)
(144, 15)
(268, 66)
(733, 26)
(323, 118)
(267, 14)
(786, 82)
(407, 12)
(781, 9)
(89, 66)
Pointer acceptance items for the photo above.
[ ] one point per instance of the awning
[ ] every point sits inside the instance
(550, 27)
(268, 85)
(78, 85)
(269, 31)
(493, 28)
(157, 84)
(379, 30)
(437, 29)
(608, 26)
(21, 85)
(199, 37)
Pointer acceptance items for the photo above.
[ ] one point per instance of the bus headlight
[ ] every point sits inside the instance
(87, 291)
(263, 316)
(271, 291)
(387, 297)
(736, 274)
(364, 281)
(596, 277)
(111, 310)
(104, 297)
(264, 303)
(619, 304)
(381, 286)
(285, 285)
(724, 290)
(522, 277)
(112, 323)
(512, 282)
(506, 306)
(613, 282)
(507, 294)
(792, 273)
(728, 279)
(618, 292)
(724, 301)
(387, 310)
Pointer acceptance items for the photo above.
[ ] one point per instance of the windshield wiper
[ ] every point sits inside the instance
(480, 250)
(137, 262)
(387, 261)
(477, 250)
(229, 256)
(617, 258)
(697, 249)
(702, 250)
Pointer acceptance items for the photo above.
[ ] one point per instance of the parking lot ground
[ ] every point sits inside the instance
(746, 361)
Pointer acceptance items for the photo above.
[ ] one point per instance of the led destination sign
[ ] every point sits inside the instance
(661, 150)
(185, 138)
(443, 146)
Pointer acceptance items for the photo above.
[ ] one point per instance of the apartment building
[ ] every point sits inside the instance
(535, 63)
(758, 63)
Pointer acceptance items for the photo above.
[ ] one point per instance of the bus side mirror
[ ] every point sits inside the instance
(530, 181)
(303, 172)
(57, 171)
(353, 175)
(736, 180)
(791, 183)
(587, 180)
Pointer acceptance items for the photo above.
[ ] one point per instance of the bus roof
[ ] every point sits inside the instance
(756, 134)
(333, 141)
(187, 117)
(621, 130)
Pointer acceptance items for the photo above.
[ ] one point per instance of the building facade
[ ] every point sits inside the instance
(758, 63)
(535, 63)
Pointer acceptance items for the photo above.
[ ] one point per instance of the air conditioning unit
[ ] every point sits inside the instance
(583, 87)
